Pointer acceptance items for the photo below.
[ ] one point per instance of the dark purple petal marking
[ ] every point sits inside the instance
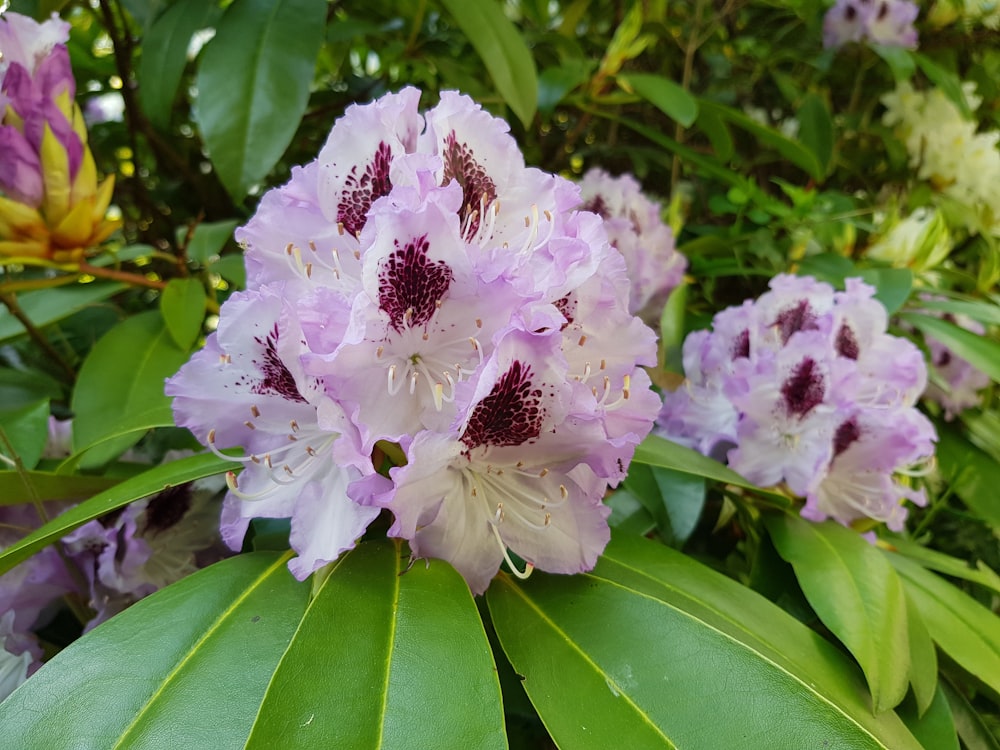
(411, 285)
(511, 415)
(477, 187)
(167, 508)
(361, 190)
(847, 343)
(568, 308)
(798, 317)
(597, 205)
(847, 433)
(277, 380)
(804, 389)
(741, 345)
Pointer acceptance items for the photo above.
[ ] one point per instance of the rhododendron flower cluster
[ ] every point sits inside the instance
(417, 292)
(946, 150)
(804, 388)
(636, 228)
(886, 22)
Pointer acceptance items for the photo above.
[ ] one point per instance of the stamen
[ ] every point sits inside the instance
(255, 411)
(528, 567)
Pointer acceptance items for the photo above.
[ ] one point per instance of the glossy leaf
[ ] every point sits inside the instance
(22, 387)
(655, 451)
(185, 667)
(981, 352)
(209, 238)
(583, 644)
(47, 306)
(892, 285)
(962, 627)
(683, 498)
(794, 151)
(50, 486)
(935, 728)
(668, 97)
(165, 55)
(503, 51)
(253, 85)
(923, 658)
(816, 128)
(120, 386)
(718, 134)
(182, 305)
(27, 429)
(981, 311)
(406, 656)
(972, 729)
(856, 594)
(942, 563)
(159, 478)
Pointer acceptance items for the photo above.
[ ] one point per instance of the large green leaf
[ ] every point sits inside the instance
(27, 429)
(502, 49)
(942, 563)
(50, 305)
(935, 728)
(185, 667)
(182, 305)
(962, 627)
(652, 649)
(816, 128)
(405, 656)
(972, 729)
(667, 96)
(655, 451)
(981, 352)
(165, 55)
(856, 594)
(155, 480)
(120, 386)
(253, 85)
(49, 486)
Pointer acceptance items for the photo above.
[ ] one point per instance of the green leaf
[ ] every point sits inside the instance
(900, 60)
(50, 305)
(683, 498)
(554, 83)
(185, 667)
(892, 285)
(667, 96)
(974, 473)
(795, 152)
(856, 594)
(942, 563)
(945, 80)
(982, 353)
(120, 386)
(408, 661)
(628, 514)
(27, 429)
(718, 135)
(923, 659)
(643, 651)
(672, 328)
(142, 485)
(502, 49)
(816, 129)
(164, 56)
(962, 627)
(182, 305)
(972, 730)
(253, 85)
(50, 486)
(22, 387)
(985, 312)
(209, 238)
(935, 728)
(232, 269)
(655, 451)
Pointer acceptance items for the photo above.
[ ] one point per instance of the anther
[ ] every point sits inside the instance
(542, 473)
(312, 246)
(255, 411)
(250, 425)
(582, 341)
(288, 248)
(340, 228)
(294, 425)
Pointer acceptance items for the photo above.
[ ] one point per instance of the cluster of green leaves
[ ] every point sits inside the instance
(735, 623)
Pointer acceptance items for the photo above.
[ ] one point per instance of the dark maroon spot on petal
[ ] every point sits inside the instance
(883, 10)
(478, 189)
(167, 508)
(361, 190)
(741, 345)
(411, 285)
(277, 379)
(943, 359)
(850, 13)
(511, 415)
(798, 317)
(597, 205)
(568, 308)
(847, 343)
(847, 433)
(804, 389)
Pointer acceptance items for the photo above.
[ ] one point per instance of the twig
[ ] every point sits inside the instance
(129, 278)
(10, 302)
